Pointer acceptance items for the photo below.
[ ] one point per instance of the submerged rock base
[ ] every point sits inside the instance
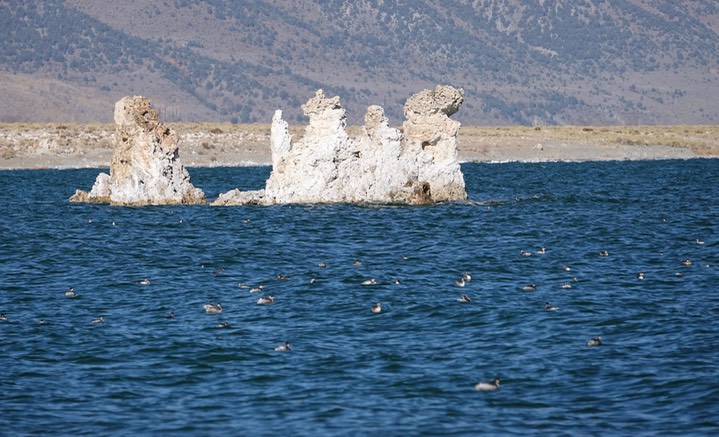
(417, 165)
(145, 168)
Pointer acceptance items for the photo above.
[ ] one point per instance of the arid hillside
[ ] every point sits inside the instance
(538, 63)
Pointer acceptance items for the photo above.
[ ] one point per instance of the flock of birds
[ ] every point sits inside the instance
(592, 342)
(216, 308)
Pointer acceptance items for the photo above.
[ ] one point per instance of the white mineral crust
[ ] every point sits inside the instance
(145, 168)
(416, 166)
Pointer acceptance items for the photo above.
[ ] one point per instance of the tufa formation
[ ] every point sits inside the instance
(145, 167)
(417, 165)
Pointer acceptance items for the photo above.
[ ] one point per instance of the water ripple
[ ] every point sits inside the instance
(408, 370)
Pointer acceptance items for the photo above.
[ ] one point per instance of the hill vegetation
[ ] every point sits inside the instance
(543, 62)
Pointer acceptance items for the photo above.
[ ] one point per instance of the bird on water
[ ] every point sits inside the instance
(596, 341)
(284, 347)
(212, 308)
(488, 385)
(549, 307)
(266, 300)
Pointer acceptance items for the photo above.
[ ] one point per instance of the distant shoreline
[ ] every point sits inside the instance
(67, 146)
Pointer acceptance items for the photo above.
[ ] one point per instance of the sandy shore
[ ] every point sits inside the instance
(38, 146)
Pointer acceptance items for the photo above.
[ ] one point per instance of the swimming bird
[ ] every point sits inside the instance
(100, 319)
(144, 282)
(525, 253)
(530, 287)
(313, 280)
(266, 300)
(281, 278)
(687, 262)
(566, 285)
(371, 281)
(640, 275)
(357, 263)
(377, 308)
(242, 285)
(70, 292)
(223, 325)
(597, 341)
(464, 298)
(212, 308)
(566, 268)
(42, 322)
(257, 289)
(541, 251)
(488, 386)
(284, 347)
(218, 270)
(321, 265)
(466, 276)
(3, 316)
(603, 253)
(171, 315)
(700, 241)
(549, 307)
(460, 282)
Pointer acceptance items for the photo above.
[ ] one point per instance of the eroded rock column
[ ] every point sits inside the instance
(145, 168)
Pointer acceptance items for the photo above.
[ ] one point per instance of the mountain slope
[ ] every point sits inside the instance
(546, 61)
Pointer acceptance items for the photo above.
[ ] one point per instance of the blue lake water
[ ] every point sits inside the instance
(409, 370)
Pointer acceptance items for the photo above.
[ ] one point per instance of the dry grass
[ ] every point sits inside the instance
(701, 139)
(228, 143)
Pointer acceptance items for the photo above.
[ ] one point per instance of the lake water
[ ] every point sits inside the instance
(409, 370)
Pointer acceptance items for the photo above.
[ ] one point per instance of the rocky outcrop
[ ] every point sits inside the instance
(430, 140)
(100, 192)
(145, 168)
(238, 197)
(383, 165)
